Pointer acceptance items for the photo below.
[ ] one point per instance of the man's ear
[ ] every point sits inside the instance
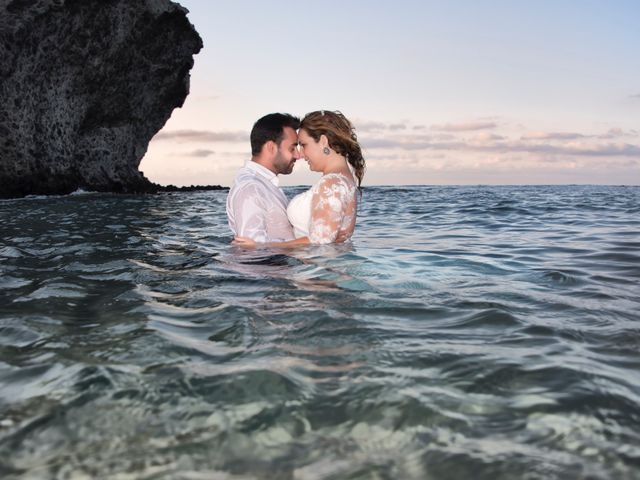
(271, 148)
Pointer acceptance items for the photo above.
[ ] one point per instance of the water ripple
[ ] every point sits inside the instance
(465, 332)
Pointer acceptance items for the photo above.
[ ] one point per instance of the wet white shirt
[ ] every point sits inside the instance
(257, 207)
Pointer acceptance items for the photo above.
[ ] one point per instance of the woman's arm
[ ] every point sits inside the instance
(328, 205)
(248, 243)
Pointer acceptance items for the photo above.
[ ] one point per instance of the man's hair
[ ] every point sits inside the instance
(271, 127)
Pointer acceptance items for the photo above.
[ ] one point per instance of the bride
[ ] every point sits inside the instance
(326, 213)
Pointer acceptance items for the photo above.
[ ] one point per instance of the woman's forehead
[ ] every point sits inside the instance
(303, 134)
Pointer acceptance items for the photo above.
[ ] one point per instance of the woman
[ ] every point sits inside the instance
(325, 213)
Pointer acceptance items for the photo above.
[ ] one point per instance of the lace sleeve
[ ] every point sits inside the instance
(328, 205)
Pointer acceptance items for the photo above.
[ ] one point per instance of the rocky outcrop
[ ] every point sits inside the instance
(84, 86)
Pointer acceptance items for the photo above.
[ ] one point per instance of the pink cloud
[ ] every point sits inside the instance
(464, 127)
(202, 136)
(551, 136)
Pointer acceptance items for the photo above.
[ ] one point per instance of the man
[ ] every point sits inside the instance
(256, 206)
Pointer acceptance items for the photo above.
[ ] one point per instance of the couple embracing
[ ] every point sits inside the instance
(258, 210)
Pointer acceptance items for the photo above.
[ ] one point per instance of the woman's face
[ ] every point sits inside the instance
(311, 151)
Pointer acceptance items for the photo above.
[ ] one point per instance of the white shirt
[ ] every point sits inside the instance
(257, 207)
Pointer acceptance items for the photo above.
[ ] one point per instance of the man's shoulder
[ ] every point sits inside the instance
(247, 181)
(247, 187)
(248, 175)
(244, 172)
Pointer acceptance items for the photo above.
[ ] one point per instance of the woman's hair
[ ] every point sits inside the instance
(341, 135)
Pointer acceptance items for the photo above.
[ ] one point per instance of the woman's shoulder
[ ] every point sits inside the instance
(335, 185)
(336, 179)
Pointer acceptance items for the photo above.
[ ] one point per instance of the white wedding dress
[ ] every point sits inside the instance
(326, 210)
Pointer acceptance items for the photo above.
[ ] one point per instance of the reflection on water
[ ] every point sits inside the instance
(466, 332)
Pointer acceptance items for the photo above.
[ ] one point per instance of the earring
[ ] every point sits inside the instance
(326, 150)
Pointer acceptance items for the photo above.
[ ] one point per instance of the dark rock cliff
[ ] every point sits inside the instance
(84, 86)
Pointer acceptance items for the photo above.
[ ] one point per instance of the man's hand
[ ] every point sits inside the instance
(244, 242)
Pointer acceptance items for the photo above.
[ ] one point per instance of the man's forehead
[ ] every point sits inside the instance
(290, 134)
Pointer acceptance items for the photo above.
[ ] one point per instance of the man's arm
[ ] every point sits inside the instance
(249, 214)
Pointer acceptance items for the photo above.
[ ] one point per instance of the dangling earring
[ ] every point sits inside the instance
(326, 150)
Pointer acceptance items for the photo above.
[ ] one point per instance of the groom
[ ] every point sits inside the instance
(256, 206)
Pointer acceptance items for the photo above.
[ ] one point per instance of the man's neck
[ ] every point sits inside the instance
(265, 163)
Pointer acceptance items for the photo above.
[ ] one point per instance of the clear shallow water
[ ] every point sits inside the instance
(466, 332)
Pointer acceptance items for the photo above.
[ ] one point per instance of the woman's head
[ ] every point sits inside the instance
(340, 135)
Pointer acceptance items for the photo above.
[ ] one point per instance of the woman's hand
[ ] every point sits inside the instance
(244, 242)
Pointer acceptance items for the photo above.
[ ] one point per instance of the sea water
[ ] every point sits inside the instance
(463, 333)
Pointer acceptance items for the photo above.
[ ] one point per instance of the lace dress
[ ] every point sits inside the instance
(325, 210)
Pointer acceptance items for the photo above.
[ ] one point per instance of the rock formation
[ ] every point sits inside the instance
(84, 86)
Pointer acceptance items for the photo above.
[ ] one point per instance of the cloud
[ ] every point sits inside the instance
(373, 126)
(618, 132)
(551, 136)
(443, 136)
(367, 126)
(635, 97)
(464, 127)
(202, 153)
(487, 137)
(573, 148)
(615, 132)
(202, 136)
(582, 149)
(497, 144)
(410, 144)
(593, 150)
(460, 142)
(370, 142)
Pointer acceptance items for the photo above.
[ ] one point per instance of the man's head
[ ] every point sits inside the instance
(274, 142)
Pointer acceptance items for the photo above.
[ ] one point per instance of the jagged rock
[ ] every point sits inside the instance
(84, 86)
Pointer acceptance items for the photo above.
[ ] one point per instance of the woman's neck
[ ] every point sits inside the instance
(339, 166)
(336, 164)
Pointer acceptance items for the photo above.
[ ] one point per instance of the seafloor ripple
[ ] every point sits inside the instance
(466, 332)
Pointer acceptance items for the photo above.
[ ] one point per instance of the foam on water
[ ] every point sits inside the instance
(466, 332)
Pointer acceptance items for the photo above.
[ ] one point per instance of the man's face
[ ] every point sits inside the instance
(287, 153)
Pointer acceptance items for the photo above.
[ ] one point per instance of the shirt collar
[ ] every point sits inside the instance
(263, 171)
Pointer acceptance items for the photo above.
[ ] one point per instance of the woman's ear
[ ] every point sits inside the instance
(324, 141)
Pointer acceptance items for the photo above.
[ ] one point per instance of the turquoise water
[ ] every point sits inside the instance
(466, 332)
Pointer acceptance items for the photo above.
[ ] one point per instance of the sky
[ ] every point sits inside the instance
(460, 92)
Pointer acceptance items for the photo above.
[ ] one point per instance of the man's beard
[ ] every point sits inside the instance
(284, 168)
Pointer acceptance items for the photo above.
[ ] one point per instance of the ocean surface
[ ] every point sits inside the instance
(464, 333)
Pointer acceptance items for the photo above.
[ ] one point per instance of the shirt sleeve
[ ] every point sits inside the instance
(250, 214)
(328, 205)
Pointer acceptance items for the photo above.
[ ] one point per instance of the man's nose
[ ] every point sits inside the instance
(297, 154)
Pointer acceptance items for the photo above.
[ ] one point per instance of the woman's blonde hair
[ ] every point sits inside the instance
(341, 135)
